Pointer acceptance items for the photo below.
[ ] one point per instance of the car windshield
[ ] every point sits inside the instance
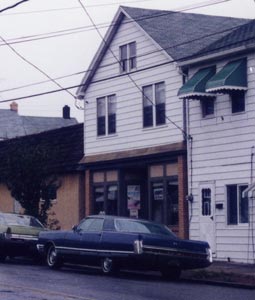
(20, 220)
(134, 226)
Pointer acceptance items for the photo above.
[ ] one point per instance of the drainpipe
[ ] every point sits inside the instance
(188, 140)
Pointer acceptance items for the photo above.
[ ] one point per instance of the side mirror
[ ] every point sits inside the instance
(74, 228)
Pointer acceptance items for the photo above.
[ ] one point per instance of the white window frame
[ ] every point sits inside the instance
(238, 185)
(129, 57)
(106, 98)
(154, 104)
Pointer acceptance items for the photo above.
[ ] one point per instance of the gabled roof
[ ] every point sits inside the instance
(66, 141)
(180, 35)
(13, 125)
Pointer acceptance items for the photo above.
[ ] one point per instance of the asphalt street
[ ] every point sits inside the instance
(26, 280)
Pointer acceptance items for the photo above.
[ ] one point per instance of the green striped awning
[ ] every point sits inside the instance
(233, 76)
(195, 86)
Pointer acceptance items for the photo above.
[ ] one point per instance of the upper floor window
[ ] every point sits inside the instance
(154, 102)
(128, 57)
(237, 205)
(106, 115)
(207, 107)
(237, 101)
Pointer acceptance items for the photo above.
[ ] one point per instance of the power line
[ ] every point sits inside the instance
(12, 6)
(143, 55)
(34, 66)
(76, 7)
(104, 25)
(107, 65)
(71, 87)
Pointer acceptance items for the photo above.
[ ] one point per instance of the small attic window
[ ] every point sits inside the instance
(127, 57)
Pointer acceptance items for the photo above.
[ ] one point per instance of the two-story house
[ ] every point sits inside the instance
(219, 93)
(135, 126)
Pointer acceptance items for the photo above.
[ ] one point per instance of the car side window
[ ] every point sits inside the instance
(91, 224)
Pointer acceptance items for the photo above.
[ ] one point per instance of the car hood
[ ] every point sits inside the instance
(15, 229)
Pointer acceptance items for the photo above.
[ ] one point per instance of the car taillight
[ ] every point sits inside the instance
(209, 255)
(138, 246)
(8, 233)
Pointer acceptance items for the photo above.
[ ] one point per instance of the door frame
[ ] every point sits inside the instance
(204, 219)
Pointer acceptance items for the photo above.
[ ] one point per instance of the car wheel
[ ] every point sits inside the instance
(53, 261)
(2, 257)
(173, 273)
(108, 266)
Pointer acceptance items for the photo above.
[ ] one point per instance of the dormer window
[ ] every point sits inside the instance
(128, 57)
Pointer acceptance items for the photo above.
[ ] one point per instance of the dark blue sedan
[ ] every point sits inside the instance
(122, 243)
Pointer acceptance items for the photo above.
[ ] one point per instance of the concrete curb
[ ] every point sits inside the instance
(218, 283)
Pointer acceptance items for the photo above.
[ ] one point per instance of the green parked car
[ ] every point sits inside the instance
(18, 235)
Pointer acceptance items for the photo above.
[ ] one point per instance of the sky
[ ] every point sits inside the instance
(51, 39)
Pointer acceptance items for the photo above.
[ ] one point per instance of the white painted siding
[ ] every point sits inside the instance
(222, 155)
(130, 133)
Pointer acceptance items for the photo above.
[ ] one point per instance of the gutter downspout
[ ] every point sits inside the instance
(188, 139)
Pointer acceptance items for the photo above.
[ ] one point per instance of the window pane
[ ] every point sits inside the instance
(123, 52)
(123, 58)
(207, 107)
(147, 106)
(160, 103)
(157, 201)
(112, 199)
(172, 203)
(160, 93)
(132, 55)
(84, 225)
(206, 202)
(101, 116)
(96, 225)
(98, 199)
(232, 204)
(112, 114)
(238, 101)
(243, 206)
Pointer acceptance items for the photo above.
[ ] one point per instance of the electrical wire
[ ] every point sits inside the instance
(79, 85)
(12, 6)
(35, 67)
(138, 56)
(103, 25)
(38, 94)
(76, 7)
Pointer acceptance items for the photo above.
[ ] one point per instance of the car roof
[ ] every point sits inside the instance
(107, 217)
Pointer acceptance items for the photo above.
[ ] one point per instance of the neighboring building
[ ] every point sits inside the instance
(69, 205)
(14, 125)
(221, 107)
(135, 148)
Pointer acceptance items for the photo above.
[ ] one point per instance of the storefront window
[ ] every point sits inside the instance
(99, 199)
(172, 203)
(112, 200)
(157, 201)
